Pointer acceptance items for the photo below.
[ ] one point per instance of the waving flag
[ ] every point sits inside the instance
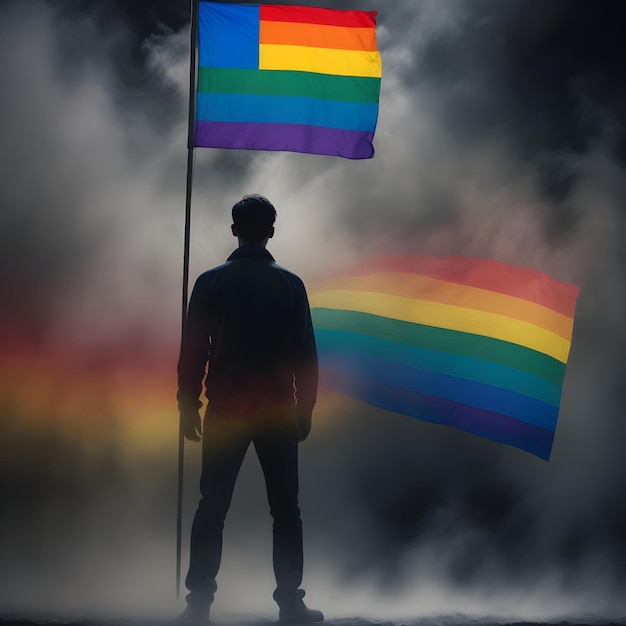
(278, 77)
(471, 343)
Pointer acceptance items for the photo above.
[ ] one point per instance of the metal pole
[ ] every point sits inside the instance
(185, 294)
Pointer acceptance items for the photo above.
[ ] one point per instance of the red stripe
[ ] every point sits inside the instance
(520, 282)
(316, 15)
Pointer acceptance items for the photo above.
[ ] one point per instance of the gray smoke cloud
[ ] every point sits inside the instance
(499, 135)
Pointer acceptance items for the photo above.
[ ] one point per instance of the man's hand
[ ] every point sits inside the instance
(303, 418)
(191, 424)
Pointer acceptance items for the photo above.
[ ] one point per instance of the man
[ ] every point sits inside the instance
(250, 320)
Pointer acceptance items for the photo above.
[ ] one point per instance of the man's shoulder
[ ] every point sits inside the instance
(288, 274)
(281, 268)
(208, 277)
(213, 271)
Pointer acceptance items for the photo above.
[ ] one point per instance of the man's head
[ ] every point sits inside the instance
(253, 219)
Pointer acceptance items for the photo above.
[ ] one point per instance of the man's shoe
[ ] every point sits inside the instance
(298, 613)
(195, 614)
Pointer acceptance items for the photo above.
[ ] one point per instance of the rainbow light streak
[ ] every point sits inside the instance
(78, 388)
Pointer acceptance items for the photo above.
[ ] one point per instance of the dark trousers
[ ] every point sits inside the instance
(224, 446)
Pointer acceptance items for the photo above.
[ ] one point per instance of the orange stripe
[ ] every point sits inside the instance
(433, 290)
(318, 36)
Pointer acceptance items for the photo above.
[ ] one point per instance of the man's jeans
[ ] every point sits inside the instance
(224, 446)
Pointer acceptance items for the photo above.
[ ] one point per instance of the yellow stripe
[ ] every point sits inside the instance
(446, 316)
(320, 60)
(444, 292)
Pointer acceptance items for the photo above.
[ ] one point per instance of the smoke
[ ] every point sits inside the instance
(499, 136)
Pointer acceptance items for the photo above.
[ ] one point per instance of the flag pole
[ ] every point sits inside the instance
(185, 295)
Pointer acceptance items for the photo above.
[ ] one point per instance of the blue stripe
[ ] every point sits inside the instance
(228, 35)
(461, 391)
(500, 428)
(468, 368)
(359, 116)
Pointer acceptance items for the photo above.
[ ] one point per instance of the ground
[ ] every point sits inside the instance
(435, 621)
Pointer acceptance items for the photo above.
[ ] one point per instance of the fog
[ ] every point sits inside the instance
(500, 135)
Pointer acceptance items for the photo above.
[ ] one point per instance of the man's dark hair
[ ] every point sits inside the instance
(254, 215)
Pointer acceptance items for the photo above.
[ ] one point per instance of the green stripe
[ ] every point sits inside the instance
(422, 360)
(444, 340)
(286, 83)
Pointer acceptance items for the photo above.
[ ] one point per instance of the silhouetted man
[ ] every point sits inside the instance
(250, 320)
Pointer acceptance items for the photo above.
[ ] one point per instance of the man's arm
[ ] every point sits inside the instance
(306, 366)
(194, 354)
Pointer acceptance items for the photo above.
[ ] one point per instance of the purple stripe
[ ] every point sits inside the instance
(500, 428)
(349, 144)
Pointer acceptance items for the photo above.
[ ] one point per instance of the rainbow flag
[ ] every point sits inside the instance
(470, 343)
(278, 77)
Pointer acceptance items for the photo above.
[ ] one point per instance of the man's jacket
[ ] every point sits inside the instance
(250, 320)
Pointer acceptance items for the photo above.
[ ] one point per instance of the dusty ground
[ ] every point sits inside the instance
(357, 621)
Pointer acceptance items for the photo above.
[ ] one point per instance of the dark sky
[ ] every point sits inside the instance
(501, 134)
